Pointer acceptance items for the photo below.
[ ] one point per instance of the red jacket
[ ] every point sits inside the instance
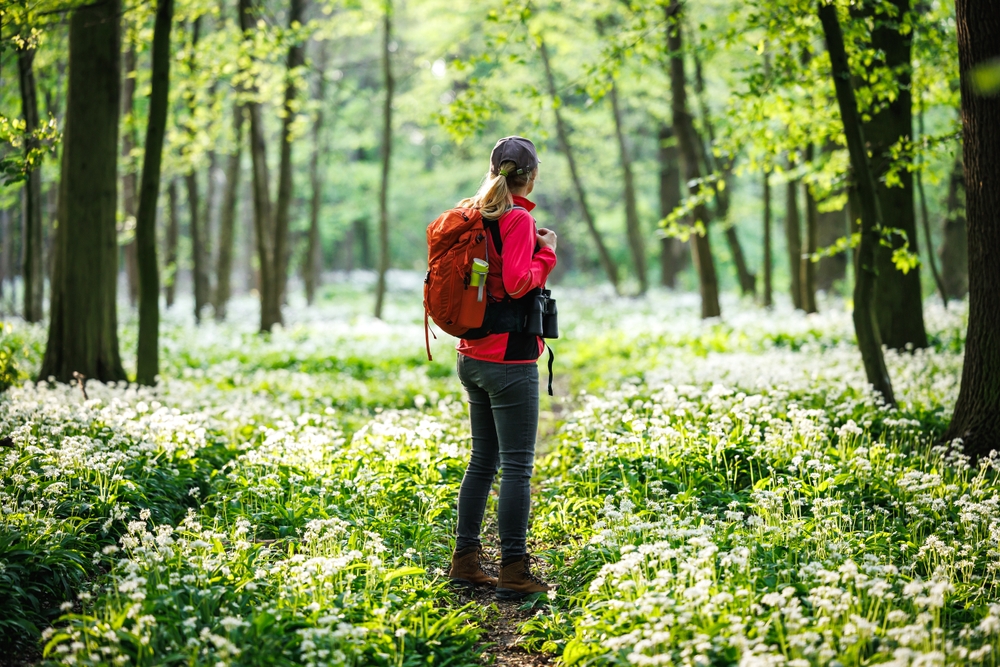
(522, 267)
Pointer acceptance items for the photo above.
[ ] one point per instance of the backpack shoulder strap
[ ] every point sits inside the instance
(493, 226)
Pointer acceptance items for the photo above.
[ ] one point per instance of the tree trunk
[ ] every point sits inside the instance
(747, 281)
(270, 303)
(227, 219)
(977, 413)
(831, 226)
(865, 323)
(173, 236)
(768, 288)
(806, 265)
(296, 56)
(898, 301)
(148, 358)
(686, 140)
(793, 238)
(383, 193)
(34, 235)
(671, 249)
(364, 240)
(955, 248)
(610, 270)
(313, 251)
(83, 327)
(636, 242)
(129, 178)
(199, 240)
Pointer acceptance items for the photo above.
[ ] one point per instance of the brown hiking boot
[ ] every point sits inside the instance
(516, 581)
(466, 569)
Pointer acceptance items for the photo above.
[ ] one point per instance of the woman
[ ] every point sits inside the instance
(500, 375)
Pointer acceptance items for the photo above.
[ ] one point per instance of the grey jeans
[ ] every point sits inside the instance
(503, 407)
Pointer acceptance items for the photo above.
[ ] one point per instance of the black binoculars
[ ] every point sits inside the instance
(543, 316)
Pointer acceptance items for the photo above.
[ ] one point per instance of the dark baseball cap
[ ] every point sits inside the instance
(514, 149)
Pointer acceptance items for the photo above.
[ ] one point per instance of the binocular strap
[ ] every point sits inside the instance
(552, 357)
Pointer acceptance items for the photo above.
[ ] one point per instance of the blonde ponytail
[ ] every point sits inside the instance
(495, 195)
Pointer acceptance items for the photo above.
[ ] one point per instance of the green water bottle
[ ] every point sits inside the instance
(480, 267)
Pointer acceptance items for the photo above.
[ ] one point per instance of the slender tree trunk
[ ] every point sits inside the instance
(129, 178)
(383, 194)
(364, 240)
(898, 301)
(747, 281)
(977, 413)
(173, 237)
(34, 235)
(686, 140)
(313, 251)
(671, 249)
(925, 221)
(227, 219)
(296, 57)
(636, 242)
(610, 269)
(793, 238)
(208, 218)
(199, 241)
(148, 357)
(83, 327)
(807, 267)
(270, 304)
(831, 226)
(865, 323)
(768, 289)
(954, 248)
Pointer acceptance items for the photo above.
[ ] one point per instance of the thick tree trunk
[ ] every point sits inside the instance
(898, 301)
(270, 303)
(227, 219)
(311, 272)
(148, 357)
(172, 238)
(687, 140)
(83, 327)
(806, 266)
(636, 242)
(954, 248)
(34, 235)
(383, 194)
(296, 56)
(129, 178)
(671, 250)
(977, 413)
(608, 264)
(768, 287)
(793, 238)
(865, 323)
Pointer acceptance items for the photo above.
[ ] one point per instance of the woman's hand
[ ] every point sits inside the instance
(546, 238)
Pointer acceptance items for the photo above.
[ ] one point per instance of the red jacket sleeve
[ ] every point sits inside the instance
(523, 268)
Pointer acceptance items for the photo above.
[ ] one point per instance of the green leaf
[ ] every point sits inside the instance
(403, 572)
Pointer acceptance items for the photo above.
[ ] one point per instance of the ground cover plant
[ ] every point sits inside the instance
(722, 492)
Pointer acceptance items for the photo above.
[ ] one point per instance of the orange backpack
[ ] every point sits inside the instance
(454, 240)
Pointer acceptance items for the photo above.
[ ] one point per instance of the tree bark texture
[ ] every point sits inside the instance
(296, 57)
(313, 253)
(148, 356)
(270, 303)
(865, 322)
(768, 286)
(172, 238)
(83, 327)
(636, 242)
(898, 301)
(977, 413)
(129, 178)
(383, 193)
(686, 140)
(831, 226)
(807, 267)
(672, 253)
(34, 235)
(227, 219)
(607, 263)
(954, 248)
(197, 228)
